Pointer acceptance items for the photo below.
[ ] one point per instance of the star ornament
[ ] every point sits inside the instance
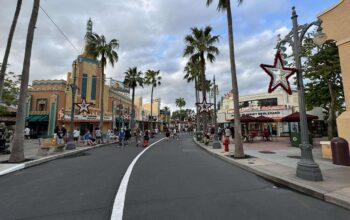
(204, 106)
(279, 74)
(84, 106)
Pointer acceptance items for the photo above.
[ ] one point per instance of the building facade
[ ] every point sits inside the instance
(274, 105)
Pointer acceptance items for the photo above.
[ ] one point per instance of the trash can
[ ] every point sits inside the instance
(199, 136)
(340, 151)
(295, 139)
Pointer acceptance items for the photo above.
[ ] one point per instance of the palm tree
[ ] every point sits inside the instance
(152, 78)
(225, 5)
(180, 102)
(17, 154)
(98, 47)
(200, 46)
(166, 109)
(8, 47)
(133, 79)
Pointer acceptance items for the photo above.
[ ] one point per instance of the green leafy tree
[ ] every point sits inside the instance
(325, 88)
(180, 102)
(133, 79)
(200, 46)
(98, 47)
(17, 154)
(8, 48)
(153, 79)
(11, 89)
(225, 5)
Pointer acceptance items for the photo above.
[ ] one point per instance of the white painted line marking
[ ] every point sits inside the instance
(118, 206)
(12, 169)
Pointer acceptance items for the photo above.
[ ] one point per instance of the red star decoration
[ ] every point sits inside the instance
(279, 74)
(204, 105)
(83, 106)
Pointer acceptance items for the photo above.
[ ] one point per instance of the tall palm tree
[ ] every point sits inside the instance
(152, 78)
(225, 5)
(17, 154)
(98, 47)
(166, 109)
(192, 73)
(200, 46)
(133, 79)
(180, 102)
(8, 47)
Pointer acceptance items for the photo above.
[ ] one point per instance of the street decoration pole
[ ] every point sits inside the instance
(216, 143)
(307, 168)
(71, 143)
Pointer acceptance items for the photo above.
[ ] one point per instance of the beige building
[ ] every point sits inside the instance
(336, 25)
(274, 105)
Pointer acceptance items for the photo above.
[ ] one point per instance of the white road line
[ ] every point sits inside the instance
(118, 206)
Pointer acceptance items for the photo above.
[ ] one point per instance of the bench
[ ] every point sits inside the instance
(48, 143)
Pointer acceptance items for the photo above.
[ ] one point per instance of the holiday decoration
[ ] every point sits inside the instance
(204, 106)
(279, 74)
(83, 106)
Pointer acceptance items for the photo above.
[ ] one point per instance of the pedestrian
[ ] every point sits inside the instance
(60, 136)
(146, 139)
(76, 135)
(64, 132)
(86, 137)
(27, 133)
(127, 136)
(137, 136)
(266, 135)
(167, 133)
(98, 135)
(109, 135)
(121, 137)
(91, 140)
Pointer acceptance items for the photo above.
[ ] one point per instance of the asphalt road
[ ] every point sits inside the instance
(177, 180)
(78, 187)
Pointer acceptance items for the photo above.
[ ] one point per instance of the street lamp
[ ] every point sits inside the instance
(71, 143)
(216, 143)
(307, 168)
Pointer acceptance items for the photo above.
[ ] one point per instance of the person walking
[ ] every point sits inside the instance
(121, 137)
(146, 139)
(137, 136)
(64, 132)
(27, 133)
(76, 135)
(60, 136)
(98, 135)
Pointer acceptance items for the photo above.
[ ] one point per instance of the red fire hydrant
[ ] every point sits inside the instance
(226, 143)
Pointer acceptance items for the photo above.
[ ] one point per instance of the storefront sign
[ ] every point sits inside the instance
(268, 113)
(88, 118)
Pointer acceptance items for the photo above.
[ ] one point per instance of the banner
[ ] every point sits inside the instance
(119, 86)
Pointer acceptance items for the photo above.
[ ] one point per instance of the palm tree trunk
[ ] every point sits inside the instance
(197, 99)
(17, 154)
(203, 91)
(8, 47)
(239, 152)
(102, 108)
(132, 109)
(331, 116)
(152, 108)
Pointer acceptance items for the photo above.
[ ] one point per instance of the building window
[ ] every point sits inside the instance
(93, 88)
(84, 85)
(41, 105)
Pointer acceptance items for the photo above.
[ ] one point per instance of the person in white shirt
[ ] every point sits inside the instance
(27, 133)
(76, 135)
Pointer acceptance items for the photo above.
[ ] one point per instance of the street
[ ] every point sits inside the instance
(172, 180)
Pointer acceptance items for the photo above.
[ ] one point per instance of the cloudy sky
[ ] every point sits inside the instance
(151, 35)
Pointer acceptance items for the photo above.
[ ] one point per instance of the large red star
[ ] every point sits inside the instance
(83, 106)
(204, 105)
(279, 74)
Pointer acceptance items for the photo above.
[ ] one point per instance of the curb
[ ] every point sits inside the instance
(46, 159)
(290, 183)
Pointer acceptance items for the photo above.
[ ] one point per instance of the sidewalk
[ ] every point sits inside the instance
(277, 161)
(31, 154)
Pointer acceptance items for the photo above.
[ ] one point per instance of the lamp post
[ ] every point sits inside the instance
(71, 143)
(307, 168)
(216, 143)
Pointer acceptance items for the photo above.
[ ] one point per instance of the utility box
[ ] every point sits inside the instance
(340, 151)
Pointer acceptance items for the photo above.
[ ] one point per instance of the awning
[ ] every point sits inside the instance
(37, 118)
(295, 117)
(262, 118)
